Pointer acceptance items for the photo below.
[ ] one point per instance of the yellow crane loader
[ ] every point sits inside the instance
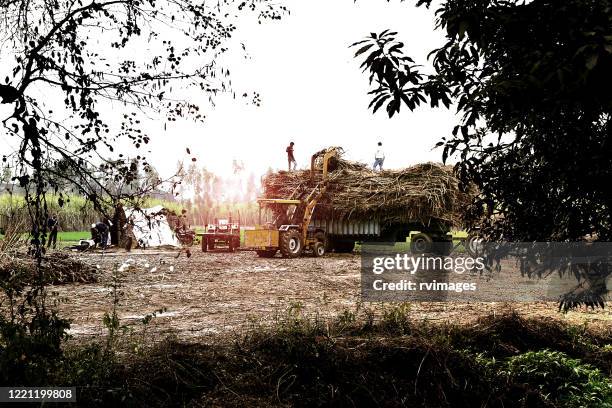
(291, 233)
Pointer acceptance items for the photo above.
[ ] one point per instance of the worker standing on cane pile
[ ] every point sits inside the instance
(290, 157)
(379, 158)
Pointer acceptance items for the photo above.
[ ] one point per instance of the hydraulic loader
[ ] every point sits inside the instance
(291, 233)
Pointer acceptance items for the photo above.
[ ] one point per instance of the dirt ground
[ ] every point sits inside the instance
(215, 293)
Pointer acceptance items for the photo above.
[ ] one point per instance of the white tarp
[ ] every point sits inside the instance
(151, 230)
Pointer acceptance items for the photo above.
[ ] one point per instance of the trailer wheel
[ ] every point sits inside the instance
(474, 244)
(291, 245)
(443, 248)
(318, 249)
(204, 244)
(420, 243)
(266, 253)
(233, 244)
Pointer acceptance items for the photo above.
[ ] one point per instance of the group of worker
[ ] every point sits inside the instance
(100, 232)
(379, 157)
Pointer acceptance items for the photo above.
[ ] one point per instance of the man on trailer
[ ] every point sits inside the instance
(290, 156)
(379, 158)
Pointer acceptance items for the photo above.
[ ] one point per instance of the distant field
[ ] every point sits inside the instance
(72, 236)
(66, 238)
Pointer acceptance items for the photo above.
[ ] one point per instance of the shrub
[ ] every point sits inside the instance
(562, 380)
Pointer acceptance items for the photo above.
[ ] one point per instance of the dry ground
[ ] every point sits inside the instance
(212, 293)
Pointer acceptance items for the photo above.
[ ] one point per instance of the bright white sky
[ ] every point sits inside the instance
(313, 93)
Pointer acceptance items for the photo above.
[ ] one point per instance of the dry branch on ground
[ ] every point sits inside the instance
(56, 269)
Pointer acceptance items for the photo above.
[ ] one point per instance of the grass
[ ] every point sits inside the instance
(73, 236)
(67, 238)
(356, 360)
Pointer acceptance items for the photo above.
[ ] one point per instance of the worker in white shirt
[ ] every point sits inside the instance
(379, 158)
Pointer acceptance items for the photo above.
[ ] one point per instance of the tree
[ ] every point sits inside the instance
(82, 53)
(152, 177)
(531, 83)
(69, 61)
(6, 174)
(251, 188)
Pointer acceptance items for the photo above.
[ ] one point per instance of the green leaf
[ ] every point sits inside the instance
(592, 61)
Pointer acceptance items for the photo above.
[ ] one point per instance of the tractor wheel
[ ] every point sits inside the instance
(420, 243)
(230, 245)
(318, 249)
(291, 245)
(211, 244)
(204, 244)
(266, 253)
(322, 238)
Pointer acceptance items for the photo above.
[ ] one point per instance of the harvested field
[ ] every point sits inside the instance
(216, 293)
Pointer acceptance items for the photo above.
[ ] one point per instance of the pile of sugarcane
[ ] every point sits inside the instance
(418, 193)
(56, 268)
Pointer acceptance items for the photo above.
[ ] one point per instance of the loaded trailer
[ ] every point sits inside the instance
(328, 210)
(342, 234)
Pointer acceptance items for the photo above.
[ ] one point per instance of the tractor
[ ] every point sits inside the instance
(223, 234)
(291, 232)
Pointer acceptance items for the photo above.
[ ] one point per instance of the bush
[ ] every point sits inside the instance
(30, 349)
(565, 381)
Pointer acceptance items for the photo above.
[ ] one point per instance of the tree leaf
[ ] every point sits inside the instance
(363, 49)
(592, 61)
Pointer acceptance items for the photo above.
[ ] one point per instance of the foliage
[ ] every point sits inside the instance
(530, 81)
(83, 54)
(397, 78)
(76, 213)
(69, 62)
(297, 360)
(564, 380)
(30, 348)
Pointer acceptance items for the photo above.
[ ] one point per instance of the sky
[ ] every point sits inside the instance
(312, 93)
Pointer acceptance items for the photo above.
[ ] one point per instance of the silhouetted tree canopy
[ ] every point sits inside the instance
(531, 82)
